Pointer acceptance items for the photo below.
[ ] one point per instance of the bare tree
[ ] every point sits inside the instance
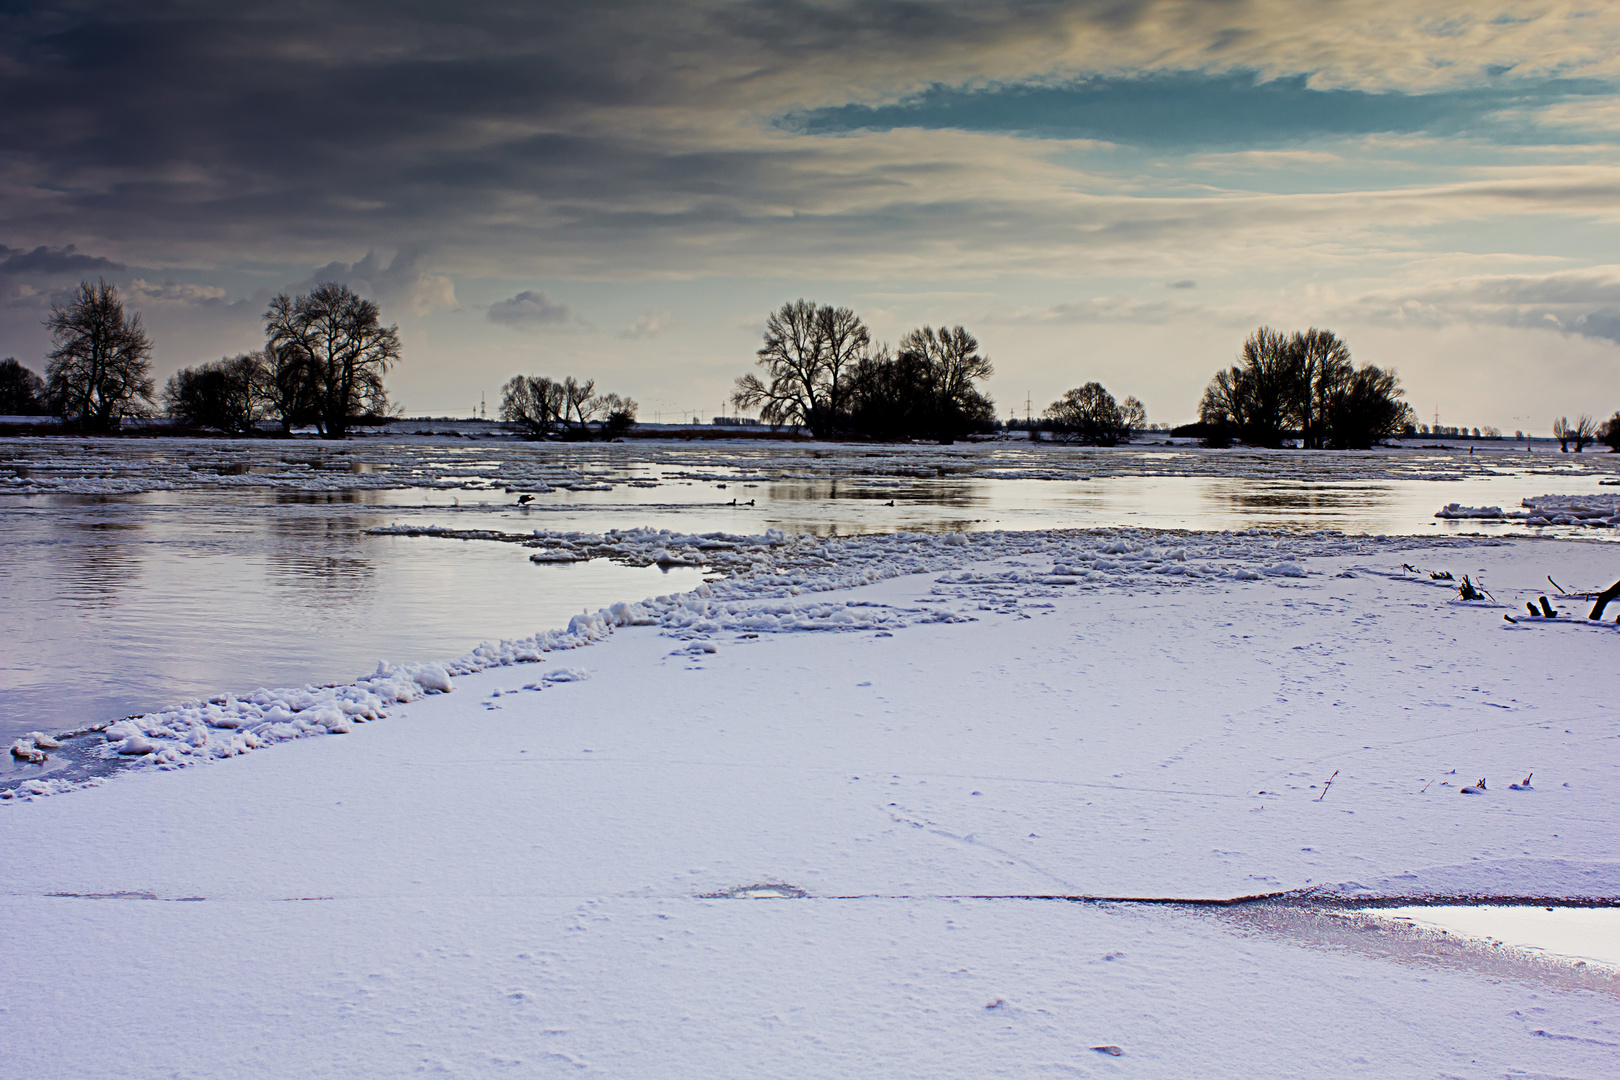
(1304, 382)
(542, 406)
(795, 362)
(618, 414)
(228, 394)
(347, 350)
(1089, 415)
(1134, 414)
(1255, 398)
(533, 402)
(953, 357)
(927, 389)
(844, 342)
(1582, 433)
(289, 389)
(579, 401)
(1366, 407)
(1323, 368)
(810, 356)
(1586, 432)
(22, 393)
(100, 370)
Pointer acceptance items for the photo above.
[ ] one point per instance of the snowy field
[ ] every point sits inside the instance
(866, 807)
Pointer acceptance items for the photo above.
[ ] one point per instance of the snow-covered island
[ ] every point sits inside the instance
(892, 806)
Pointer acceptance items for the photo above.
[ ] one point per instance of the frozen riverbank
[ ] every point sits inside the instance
(110, 599)
(501, 880)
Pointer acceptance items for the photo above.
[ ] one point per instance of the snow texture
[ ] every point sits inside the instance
(898, 845)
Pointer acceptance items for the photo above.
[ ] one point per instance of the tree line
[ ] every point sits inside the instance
(565, 408)
(821, 371)
(322, 365)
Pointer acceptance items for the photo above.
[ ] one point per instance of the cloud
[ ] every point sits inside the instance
(1184, 283)
(648, 324)
(171, 292)
(402, 281)
(43, 260)
(1583, 302)
(555, 139)
(530, 309)
(1115, 309)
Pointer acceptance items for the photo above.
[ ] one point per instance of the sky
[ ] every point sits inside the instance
(1108, 190)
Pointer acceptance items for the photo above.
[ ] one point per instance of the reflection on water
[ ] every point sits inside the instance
(957, 493)
(1295, 499)
(119, 604)
(99, 563)
(341, 497)
(322, 560)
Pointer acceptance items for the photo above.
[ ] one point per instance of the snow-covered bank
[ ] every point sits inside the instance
(504, 881)
(768, 576)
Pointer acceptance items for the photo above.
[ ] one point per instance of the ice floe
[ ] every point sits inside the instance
(1598, 511)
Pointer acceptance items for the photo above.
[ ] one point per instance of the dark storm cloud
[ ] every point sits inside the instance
(182, 121)
(505, 140)
(1199, 110)
(45, 261)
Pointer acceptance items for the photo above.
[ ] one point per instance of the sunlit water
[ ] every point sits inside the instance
(119, 603)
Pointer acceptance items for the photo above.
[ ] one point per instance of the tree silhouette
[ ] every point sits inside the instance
(22, 393)
(346, 348)
(1583, 432)
(809, 355)
(1089, 415)
(1303, 383)
(925, 390)
(226, 394)
(100, 368)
